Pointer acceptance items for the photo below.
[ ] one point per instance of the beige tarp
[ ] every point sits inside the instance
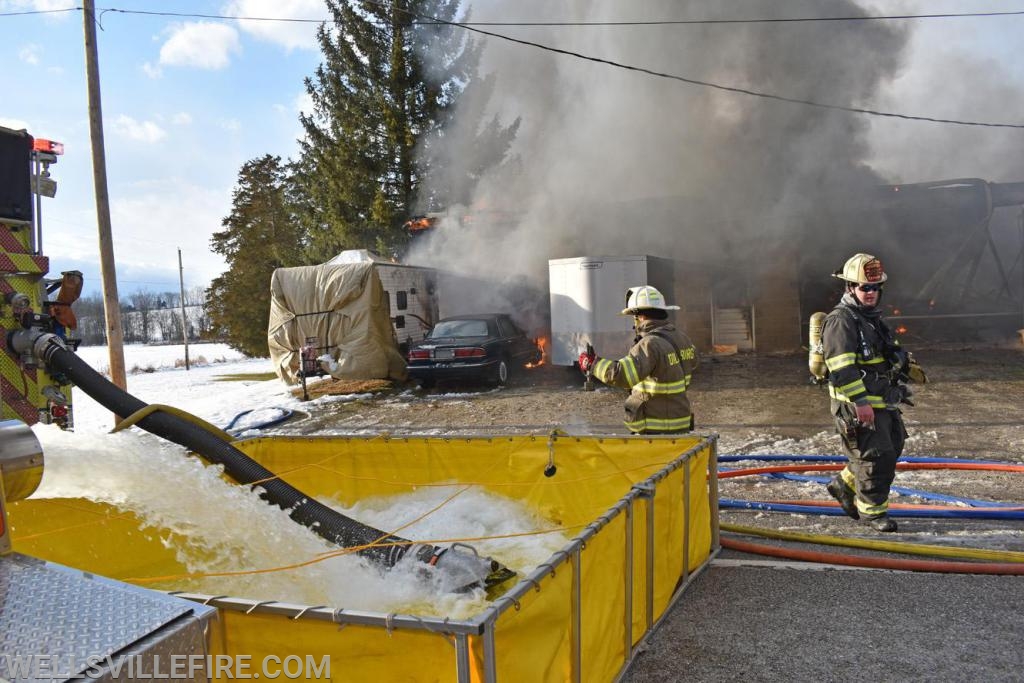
(345, 307)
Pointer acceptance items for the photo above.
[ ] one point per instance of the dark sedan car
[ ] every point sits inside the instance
(472, 348)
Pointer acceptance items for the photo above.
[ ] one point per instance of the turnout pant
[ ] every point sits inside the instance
(872, 454)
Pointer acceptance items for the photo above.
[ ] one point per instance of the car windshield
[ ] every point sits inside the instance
(459, 328)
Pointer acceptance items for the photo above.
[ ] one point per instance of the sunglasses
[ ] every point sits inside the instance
(870, 288)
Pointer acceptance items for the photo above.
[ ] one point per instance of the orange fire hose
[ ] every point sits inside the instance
(938, 566)
(991, 467)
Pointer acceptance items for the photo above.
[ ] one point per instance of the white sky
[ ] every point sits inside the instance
(186, 101)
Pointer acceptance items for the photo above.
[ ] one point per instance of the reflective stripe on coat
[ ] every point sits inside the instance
(657, 377)
(855, 376)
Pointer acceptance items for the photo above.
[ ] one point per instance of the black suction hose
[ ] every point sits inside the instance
(323, 520)
(461, 568)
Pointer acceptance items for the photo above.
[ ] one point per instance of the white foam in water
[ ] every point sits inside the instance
(221, 527)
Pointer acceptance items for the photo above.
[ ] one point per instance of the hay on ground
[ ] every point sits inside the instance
(336, 387)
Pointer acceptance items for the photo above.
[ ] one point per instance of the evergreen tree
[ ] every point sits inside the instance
(261, 234)
(386, 87)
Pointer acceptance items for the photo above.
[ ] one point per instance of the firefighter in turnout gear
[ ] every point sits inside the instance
(657, 368)
(868, 370)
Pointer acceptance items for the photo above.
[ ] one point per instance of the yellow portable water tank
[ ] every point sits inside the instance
(653, 496)
(816, 353)
(21, 469)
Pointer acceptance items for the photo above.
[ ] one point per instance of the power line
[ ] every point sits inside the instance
(191, 15)
(705, 22)
(660, 74)
(658, 22)
(709, 84)
(728, 88)
(39, 11)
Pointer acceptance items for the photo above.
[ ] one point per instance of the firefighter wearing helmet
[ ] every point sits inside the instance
(657, 369)
(867, 375)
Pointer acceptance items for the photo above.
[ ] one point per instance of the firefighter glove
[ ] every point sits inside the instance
(866, 415)
(899, 393)
(587, 361)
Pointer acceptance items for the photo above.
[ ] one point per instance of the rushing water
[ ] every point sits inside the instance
(215, 526)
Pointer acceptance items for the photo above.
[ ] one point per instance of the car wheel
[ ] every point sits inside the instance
(501, 373)
(427, 383)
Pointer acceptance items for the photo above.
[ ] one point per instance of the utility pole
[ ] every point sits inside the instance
(111, 303)
(184, 318)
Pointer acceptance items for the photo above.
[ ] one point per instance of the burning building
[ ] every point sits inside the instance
(755, 201)
(955, 252)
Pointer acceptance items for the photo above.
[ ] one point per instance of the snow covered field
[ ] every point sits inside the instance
(156, 374)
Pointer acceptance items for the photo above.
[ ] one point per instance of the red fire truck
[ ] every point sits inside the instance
(27, 391)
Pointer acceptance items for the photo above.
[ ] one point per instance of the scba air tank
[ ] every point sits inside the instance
(816, 353)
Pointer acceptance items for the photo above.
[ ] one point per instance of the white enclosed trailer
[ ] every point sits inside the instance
(588, 294)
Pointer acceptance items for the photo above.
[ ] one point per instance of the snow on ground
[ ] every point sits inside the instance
(197, 390)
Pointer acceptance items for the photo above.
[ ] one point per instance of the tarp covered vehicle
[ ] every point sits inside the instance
(338, 310)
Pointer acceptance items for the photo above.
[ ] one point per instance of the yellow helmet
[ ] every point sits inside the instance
(646, 297)
(863, 269)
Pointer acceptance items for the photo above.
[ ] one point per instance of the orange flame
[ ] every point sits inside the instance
(542, 344)
(419, 224)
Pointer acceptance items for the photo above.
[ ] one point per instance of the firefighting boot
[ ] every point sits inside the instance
(883, 523)
(838, 489)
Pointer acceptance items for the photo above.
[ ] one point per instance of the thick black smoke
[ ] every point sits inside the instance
(618, 162)
(613, 162)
